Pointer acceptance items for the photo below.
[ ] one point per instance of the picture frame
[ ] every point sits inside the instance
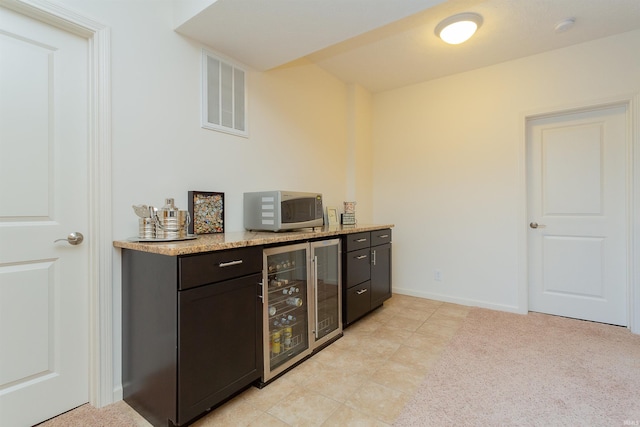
(206, 209)
(332, 216)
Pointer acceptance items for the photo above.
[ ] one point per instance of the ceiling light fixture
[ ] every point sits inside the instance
(458, 28)
(565, 25)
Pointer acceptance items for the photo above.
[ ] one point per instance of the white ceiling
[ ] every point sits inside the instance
(385, 44)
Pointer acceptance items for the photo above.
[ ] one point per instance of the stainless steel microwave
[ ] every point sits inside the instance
(282, 210)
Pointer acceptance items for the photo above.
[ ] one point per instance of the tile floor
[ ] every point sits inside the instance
(363, 379)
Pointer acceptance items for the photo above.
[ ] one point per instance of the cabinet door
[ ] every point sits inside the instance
(219, 346)
(380, 274)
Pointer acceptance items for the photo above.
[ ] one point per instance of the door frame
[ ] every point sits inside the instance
(631, 103)
(100, 284)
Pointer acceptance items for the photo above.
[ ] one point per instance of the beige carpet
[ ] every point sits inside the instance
(118, 414)
(536, 370)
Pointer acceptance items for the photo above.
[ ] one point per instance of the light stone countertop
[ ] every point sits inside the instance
(240, 239)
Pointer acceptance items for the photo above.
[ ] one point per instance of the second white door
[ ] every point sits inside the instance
(577, 198)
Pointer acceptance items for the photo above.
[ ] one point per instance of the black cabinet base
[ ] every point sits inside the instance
(366, 268)
(188, 349)
(153, 419)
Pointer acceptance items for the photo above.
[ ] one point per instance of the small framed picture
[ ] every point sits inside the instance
(207, 212)
(332, 216)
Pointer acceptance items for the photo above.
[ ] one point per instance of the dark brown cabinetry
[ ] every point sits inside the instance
(366, 272)
(191, 330)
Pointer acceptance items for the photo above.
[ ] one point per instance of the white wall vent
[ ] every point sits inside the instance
(224, 96)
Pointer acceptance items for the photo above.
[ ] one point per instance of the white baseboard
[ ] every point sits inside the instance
(117, 394)
(461, 301)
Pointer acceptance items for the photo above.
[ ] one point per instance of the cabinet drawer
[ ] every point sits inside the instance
(357, 266)
(213, 267)
(380, 237)
(358, 302)
(357, 241)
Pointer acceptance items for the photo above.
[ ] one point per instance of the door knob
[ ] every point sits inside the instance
(536, 225)
(74, 238)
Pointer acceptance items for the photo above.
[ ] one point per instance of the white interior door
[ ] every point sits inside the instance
(577, 197)
(43, 197)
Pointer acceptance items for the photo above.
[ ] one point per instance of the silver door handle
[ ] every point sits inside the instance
(536, 225)
(360, 257)
(230, 263)
(315, 286)
(361, 291)
(74, 238)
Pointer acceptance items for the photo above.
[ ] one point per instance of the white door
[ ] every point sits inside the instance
(43, 197)
(577, 187)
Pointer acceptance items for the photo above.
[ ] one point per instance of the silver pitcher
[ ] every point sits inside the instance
(171, 222)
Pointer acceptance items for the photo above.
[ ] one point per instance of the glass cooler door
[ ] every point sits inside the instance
(286, 334)
(326, 283)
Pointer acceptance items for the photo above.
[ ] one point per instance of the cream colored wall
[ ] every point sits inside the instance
(297, 121)
(448, 165)
(359, 153)
(297, 125)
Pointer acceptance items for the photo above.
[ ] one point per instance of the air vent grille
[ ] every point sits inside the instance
(224, 96)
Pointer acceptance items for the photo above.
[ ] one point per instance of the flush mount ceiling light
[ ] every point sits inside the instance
(458, 28)
(565, 25)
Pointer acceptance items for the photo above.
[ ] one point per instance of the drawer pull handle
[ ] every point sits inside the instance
(361, 291)
(361, 257)
(383, 236)
(361, 240)
(230, 263)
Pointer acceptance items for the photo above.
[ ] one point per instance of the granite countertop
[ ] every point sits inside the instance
(240, 239)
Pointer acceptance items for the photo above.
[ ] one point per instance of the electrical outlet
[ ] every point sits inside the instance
(437, 275)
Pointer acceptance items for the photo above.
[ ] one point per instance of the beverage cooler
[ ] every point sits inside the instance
(302, 302)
